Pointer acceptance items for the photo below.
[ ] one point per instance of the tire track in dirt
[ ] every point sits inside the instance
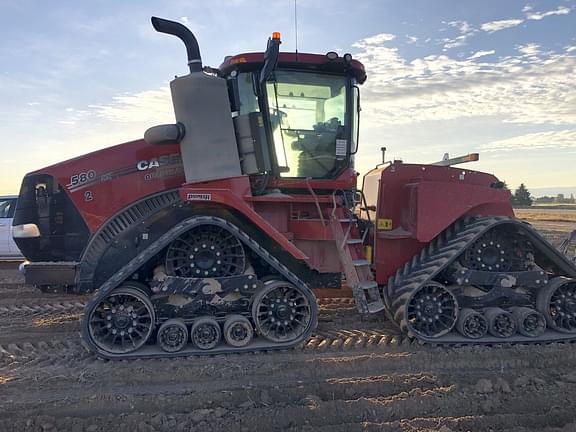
(299, 391)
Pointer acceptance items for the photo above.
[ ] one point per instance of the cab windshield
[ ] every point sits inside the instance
(308, 122)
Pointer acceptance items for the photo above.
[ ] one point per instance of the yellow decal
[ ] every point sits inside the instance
(368, 253)
(384, 224)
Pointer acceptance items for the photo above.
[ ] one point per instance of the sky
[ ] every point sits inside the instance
(495, 77)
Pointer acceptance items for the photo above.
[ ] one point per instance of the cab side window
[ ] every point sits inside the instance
(7, 208)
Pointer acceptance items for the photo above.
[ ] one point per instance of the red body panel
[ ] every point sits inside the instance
(292, 221)
(233, 193)
(420, 201)
(117, 180)
(415, 203)
(129, 172)
(301, 60)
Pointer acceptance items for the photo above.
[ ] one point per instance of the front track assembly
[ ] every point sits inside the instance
(485, 280)
(209, 301)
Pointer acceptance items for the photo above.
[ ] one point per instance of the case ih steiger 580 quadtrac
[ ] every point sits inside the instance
(209, 235)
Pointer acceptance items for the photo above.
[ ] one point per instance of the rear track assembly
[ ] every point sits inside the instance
(485, 280)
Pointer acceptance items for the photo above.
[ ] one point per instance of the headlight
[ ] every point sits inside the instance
(25, 231)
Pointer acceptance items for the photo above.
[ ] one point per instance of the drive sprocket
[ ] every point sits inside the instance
(206, 251)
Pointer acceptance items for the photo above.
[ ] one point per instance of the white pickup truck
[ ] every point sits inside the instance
(8, 249)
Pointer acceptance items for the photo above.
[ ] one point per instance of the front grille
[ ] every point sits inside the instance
(63, 232)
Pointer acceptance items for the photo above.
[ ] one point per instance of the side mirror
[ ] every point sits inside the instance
(270, 60)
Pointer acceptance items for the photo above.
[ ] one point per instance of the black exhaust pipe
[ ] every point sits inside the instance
(180, 31)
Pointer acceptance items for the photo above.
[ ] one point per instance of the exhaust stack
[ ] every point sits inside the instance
(204, 126)
(173, 28)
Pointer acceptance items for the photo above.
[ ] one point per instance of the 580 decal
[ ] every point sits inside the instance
(81, 178)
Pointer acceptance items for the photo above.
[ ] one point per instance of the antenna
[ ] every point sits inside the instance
(296, 26)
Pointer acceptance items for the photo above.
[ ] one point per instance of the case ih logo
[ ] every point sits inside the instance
(158, 162)
(198, 197)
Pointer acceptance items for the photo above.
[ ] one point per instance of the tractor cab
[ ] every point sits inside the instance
(280, 118)
(301, 118)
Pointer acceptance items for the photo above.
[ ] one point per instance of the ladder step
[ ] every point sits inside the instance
(354, 241)
(368, 297)
(376, 306)
(366, 285)
(347, 220)
(360, 263)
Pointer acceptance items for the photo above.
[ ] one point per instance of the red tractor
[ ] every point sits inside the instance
(210, 235)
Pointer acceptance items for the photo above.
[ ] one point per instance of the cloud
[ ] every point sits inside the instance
(494, 26)
(479, 54)
(527, 8)
(562, 10)
(463, 26)
(374, 40)
(465, 32)
(562, 139)
(530, 49)
(530, 87)
(149, 106)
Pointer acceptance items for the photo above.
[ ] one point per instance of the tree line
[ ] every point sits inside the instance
(522, 197)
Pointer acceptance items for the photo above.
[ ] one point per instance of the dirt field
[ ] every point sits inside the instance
(353, 375)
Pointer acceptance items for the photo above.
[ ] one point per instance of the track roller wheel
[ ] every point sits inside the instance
(431, 311)
(501, 323)
(238, 331)
(530, 322)
(282, 312)
(121, 322)
(172, 335)
(557, 301)
(472, 324)
(205, 333)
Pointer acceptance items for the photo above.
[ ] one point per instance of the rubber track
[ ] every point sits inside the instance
(156, 247)
(444, 250)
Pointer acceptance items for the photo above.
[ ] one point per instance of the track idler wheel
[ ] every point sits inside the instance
(205, 333)
(501, 323)
(530, 322)
(122, 321)
(172, 335)
(472, 324)
(431, 311)
(283, 312)
(557, 302)
(238, 331)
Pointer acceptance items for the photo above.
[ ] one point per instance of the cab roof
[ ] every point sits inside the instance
(313, 62)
